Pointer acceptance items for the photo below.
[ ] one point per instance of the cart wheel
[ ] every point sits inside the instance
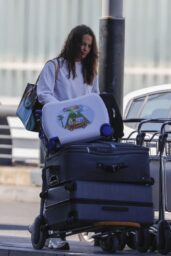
(164, 237)
(121, 236)
(38, 235)
(131, 240)
(109, 244)
(142, 240)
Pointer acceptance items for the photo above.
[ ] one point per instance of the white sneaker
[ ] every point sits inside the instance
(58, 243)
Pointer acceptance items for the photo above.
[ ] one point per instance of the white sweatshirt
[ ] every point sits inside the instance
(64, 88)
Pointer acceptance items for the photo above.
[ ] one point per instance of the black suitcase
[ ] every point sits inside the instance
(99, 161)
(81, 203)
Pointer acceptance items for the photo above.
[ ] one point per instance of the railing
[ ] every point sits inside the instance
(17, 145)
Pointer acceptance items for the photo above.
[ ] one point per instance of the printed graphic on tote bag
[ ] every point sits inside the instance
(74, 117)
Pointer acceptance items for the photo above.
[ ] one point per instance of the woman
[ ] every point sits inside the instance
(74, 74)
(76, 69)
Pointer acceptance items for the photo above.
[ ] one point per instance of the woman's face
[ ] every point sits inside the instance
(86, 45)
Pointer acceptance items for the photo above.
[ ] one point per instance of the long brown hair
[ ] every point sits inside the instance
(71, 51)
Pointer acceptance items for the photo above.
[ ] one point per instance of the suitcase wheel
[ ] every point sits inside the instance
(131, 240)
(121, 236)
(164, 237)
(38, 235)
(142, 240)
(109, 244)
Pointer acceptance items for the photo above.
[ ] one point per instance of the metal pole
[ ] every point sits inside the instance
(111, 58)
(113, 8)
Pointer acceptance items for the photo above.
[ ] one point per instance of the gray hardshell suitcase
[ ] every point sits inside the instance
(86, 202)
(99, 161)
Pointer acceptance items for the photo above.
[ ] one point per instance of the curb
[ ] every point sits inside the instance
(20, 183)
(20, 175)
(19, 194)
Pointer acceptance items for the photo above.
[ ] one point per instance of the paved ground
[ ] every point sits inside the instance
(19, 246)
(22, 246)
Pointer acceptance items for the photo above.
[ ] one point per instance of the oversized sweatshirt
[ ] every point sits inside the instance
(51, 89)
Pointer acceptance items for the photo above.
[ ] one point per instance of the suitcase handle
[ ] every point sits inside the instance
(113, 168)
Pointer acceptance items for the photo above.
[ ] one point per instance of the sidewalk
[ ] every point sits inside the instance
(20, 183)
(22, 247)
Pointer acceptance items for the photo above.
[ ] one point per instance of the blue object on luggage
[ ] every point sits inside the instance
(106, 130)
(52, 144)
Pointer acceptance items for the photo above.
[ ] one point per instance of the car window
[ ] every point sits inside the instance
(157, 106)
(135, 110)
(152, 106)
(135, 107)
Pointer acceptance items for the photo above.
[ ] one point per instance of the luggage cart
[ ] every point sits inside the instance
(160, 232)
(139, 239)
(111, 235)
